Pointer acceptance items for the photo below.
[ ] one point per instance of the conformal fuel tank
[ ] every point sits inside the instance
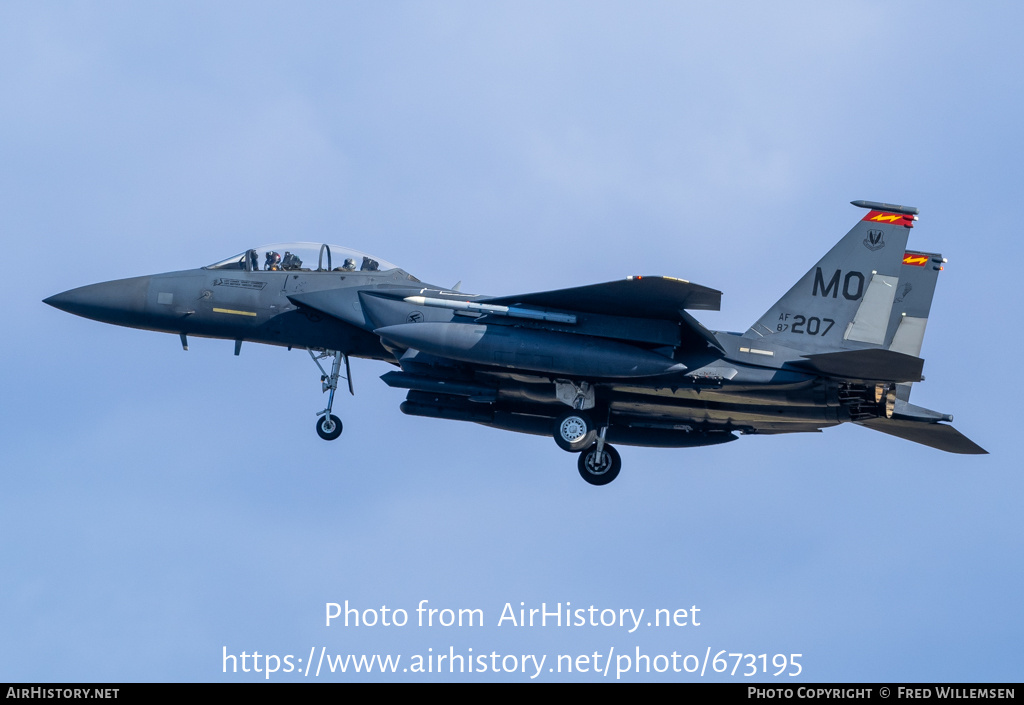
(531, 349)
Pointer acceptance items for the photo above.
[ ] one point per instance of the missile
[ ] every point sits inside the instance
(887, 207)
(547, 351)
(511, 311)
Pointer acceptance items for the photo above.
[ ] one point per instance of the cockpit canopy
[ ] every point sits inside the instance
(303, 257)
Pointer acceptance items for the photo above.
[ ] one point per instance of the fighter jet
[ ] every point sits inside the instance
(623, 362)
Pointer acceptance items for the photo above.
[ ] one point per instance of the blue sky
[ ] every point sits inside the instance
(158, 507)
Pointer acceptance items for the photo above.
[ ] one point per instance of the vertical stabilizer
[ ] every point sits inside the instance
(913, 301)
(847, 301)
(911, 307)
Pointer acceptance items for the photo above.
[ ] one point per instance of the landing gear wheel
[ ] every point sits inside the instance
(574, 431)
(328, 427)
(599, 473)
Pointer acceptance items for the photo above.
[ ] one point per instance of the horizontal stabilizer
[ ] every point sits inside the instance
(871, 365)
(934, 435)
(642, 297)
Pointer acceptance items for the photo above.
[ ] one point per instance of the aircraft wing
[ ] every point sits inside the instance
(637, 297)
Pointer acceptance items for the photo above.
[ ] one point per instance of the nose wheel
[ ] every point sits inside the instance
(328, 426)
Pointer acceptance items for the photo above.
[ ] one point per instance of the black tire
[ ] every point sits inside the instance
(574, 431)
(601, 474)
(328, 428)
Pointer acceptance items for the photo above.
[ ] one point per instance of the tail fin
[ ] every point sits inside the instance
(847, 301)
(913, 301)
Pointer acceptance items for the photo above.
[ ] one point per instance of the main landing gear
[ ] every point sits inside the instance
(328, 426)
(599, 466)
(599, 462)
(575, 431)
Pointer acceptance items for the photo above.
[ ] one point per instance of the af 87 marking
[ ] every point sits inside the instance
(805, 325)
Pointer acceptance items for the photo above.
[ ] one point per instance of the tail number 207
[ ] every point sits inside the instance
(808, 326)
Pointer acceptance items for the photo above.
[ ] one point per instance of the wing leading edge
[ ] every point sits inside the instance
(642, 297)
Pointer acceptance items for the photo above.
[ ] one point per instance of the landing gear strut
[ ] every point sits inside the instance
(328, 426)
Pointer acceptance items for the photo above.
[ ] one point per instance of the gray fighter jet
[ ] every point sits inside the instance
(621, 362)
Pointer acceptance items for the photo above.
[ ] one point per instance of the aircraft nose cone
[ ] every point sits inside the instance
(67, 301)
(118, 301)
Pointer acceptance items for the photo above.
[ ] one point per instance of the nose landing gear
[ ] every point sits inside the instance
(329, 426)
